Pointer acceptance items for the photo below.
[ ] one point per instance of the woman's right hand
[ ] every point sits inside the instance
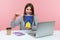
(15, 16)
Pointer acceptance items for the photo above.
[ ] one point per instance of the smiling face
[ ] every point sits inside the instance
(28, 11)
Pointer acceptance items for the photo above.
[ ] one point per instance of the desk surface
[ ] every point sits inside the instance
(3, 36)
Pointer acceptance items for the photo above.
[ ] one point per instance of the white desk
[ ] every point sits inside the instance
(3, 36)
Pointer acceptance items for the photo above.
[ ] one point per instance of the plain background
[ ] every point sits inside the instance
(45, 10)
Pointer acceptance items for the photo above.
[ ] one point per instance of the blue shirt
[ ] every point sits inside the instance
(28, 19)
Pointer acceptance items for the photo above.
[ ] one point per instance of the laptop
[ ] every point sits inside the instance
(44, 29)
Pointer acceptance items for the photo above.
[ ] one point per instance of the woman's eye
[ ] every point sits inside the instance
(27, 9)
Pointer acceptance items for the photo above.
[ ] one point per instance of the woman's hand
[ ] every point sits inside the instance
(15, 16)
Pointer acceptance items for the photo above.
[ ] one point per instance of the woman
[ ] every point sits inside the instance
(20, 20)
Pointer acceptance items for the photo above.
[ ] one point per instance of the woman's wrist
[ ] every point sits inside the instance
(14, 18)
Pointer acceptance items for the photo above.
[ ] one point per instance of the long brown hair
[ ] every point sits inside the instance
(32, 9)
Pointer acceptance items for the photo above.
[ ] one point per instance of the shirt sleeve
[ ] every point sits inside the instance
(34, 27)
(15, 22)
